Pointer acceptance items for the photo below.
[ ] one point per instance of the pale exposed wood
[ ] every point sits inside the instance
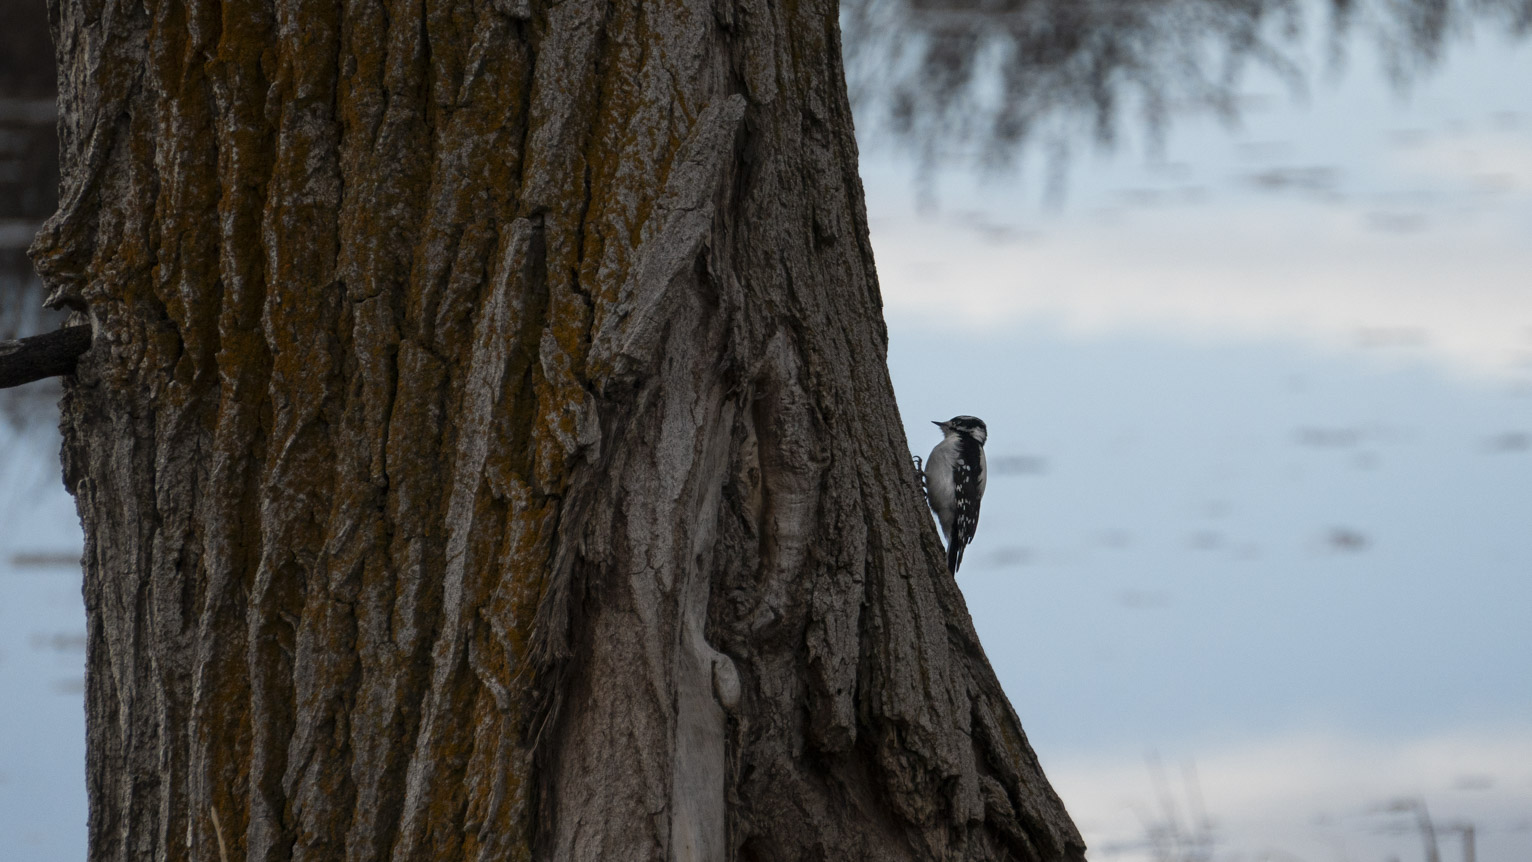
(488, 449)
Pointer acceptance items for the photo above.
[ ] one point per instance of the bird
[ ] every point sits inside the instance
(955, 475)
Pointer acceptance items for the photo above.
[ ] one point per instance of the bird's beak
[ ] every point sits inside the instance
(941, 425)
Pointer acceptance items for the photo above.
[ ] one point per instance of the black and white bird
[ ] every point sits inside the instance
(955, 475)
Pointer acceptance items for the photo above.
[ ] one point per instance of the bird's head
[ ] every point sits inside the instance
(971, 426)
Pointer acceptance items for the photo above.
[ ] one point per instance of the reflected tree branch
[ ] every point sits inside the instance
(977, 82)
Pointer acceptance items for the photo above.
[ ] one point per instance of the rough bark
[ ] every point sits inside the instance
(487, 448)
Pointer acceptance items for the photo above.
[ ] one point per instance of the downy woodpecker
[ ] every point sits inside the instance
(955, 475)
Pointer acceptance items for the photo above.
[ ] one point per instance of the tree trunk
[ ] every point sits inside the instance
(487, 448)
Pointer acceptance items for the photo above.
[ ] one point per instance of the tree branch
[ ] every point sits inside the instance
(48, 355)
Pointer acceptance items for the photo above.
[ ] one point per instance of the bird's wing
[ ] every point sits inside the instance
(966, 477)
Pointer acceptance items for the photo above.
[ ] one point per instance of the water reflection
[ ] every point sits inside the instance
(1265, 350)
(976, 80)
(28, 192)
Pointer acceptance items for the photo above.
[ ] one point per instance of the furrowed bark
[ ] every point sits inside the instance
(487, 450)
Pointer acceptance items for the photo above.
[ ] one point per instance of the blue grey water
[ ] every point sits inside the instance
(42, 656)
(1260, 412)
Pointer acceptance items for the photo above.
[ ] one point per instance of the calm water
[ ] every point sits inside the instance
(1256, 554)
(42, 658)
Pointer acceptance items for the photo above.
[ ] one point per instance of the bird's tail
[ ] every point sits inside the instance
(955, 555)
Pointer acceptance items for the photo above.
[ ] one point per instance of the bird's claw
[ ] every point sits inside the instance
(920, 475)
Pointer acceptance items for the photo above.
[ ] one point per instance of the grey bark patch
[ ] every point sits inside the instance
(629, 337)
